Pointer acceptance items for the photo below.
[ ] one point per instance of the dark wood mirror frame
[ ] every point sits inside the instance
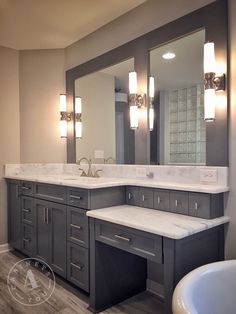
(212, 18)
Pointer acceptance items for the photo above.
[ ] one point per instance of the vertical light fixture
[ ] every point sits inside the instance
(63, 118)
(133, 108)
(78, 117)
(209, 71)
(151, 98)
(213, 82)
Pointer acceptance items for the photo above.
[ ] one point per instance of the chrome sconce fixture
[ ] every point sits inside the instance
(213, 82)
(136, 100)
(151, 99)
(66, 117)
(78, 117)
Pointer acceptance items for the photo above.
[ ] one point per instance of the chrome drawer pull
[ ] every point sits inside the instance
(76, 226)
(158, 200)
(130, 196)
(196, 206)
(176, 203)
(76, 197)
(80, 267)
(122, 238)
(26, 210)
(26, 188)
(26, 240)
(143, 198)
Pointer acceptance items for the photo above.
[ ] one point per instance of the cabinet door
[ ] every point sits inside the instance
(57, 222)
(14, 215)
(179, 202)
(42, 230)
(132, 195)
(146, 197)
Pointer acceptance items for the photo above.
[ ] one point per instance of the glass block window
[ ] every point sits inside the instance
(187, 132)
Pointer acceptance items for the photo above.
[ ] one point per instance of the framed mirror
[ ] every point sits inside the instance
(179, 133)
(106, 135)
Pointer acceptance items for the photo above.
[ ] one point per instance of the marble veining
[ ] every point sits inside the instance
(170, 225)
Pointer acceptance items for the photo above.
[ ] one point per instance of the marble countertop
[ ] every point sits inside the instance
(170, 225)
(103, 182)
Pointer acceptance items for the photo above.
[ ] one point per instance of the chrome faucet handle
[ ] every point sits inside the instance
(113, 161)
(96, 173)
(83, 174)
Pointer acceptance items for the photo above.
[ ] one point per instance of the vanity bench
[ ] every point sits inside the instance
(102, 237)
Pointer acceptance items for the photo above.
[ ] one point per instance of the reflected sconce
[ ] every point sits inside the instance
(136, 100)
(213, 82)
(78, 117)
(65, 116)
(151, 99)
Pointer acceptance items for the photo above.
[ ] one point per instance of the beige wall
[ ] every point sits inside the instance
(42, 79)
(9, 124)
(146, 17)
(98, 115)
(231, 204)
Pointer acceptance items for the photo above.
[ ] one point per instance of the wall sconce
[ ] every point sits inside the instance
(78, 117)
(65, 116)
(213, 82)
(151, 99)
(136, 100)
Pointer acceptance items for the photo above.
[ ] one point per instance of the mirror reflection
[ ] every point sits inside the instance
(106, 134)
(179, 135)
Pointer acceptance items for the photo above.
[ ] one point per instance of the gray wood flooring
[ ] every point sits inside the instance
(67, 299)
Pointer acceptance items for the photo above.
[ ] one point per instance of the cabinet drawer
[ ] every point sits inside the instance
(131, 240)
(27, 188)
(77, 226)
(179, 202)
(28, 240)
(50, 192)
(78, 266)
(27, 210)
(78, 197)
(162, 200)
(132, 195)
(146, 197)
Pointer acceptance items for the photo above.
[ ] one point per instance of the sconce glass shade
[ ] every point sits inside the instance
(209, 104)
(209, 57)
(133, 89)
(151, 118)
(63, 128)
(133, 117)
(62, 103)
(78, 129)
(78, 105)
(151, 87)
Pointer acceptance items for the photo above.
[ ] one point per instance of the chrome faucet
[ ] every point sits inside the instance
(113, 161)
(89, 173)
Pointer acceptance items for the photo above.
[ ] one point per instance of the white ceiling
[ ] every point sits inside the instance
(47, 24)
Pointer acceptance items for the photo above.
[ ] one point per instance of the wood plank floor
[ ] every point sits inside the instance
(69, 300)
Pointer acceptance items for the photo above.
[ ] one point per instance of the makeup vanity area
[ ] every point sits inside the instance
(156, 214)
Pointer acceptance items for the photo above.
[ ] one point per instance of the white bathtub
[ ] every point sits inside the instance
(210, 289)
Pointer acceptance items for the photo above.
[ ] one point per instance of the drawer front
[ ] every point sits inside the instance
(77, 226)
(50, 192)
(179, 202)
(131, 240)
(199, 205)
(162, 200)
(78, 266)
(28, 240)
(132, 195)
(27, 188)
(78, 197)
(146, 196)
(27, 210)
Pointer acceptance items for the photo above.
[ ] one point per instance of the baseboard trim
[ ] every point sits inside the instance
(155, 288)
(4, 248)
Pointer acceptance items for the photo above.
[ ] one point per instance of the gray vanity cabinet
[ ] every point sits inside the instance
(51, 234)
(14, 214)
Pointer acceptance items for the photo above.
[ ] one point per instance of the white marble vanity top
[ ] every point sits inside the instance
(174, 226)
(103, 182)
